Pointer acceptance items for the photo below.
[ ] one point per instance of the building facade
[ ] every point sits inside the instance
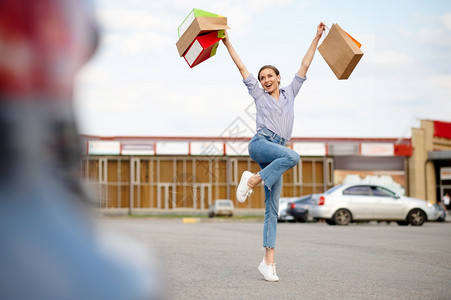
(138, 174)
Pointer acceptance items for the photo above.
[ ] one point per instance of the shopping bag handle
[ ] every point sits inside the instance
(353, 39)
(325, 31)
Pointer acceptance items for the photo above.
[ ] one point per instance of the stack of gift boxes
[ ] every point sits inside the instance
(199, 36)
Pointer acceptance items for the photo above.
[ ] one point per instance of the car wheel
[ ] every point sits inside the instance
(330, 222)
(342, 217)
(211, 215)
(416, 217)
(402, 223)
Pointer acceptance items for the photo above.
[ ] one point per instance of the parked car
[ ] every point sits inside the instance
(283, 216)
(299, 208)
(347, 203)
(221, 207)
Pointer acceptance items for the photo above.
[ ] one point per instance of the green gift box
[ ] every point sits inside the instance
(190, 18)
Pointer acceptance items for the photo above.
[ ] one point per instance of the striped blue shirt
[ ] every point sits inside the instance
(277, 116)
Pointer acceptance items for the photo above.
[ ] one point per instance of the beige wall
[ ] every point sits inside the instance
(422, 181)
(416, 164)
(171, 182)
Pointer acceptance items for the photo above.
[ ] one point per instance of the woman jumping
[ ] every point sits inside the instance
(275, 117)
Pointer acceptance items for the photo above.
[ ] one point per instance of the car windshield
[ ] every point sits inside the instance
(224, 203)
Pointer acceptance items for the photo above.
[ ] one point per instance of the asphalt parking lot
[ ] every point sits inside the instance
(204, 259)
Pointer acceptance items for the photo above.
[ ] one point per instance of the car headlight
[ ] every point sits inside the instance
(430, 204)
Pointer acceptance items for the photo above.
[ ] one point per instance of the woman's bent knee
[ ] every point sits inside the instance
(293, 158)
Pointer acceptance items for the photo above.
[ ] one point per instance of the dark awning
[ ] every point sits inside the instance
(439, 155)
(369, 163)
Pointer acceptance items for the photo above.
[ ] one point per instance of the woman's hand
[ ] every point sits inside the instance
(226, 39)
(320, 29)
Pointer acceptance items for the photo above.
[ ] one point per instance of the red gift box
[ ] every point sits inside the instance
(203, 47)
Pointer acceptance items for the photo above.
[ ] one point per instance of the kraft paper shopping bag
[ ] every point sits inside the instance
(340, 51)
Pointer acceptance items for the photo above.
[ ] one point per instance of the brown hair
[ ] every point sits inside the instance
(268, 67)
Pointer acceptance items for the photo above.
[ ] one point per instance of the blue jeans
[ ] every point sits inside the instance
(268, 150)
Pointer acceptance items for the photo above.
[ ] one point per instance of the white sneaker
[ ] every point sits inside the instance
(243, 190)
(268, 271)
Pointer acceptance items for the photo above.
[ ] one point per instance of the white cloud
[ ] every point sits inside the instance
(439, 34)
(190, 4)
(262, 5)
(135, 20)
(405, 32)
(110, 40)
(240, 23)
(441, 81)
(239, 12)
(142, 42)
(434, 37)
(392, 57)
(135, 31)
(92, 74)
(447, 21)
(158, 108)
(251, 6)
(439, 87)
(392, 63)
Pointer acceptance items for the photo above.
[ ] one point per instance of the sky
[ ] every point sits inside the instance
(137, 85)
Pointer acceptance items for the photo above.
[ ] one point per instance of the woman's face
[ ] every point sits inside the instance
(269, 80)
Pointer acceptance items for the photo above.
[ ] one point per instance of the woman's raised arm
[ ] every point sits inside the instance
(307, 60)
(236, 59)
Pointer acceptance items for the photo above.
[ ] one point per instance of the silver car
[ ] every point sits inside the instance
(221, 207)
(283, 216)
(347, 203)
